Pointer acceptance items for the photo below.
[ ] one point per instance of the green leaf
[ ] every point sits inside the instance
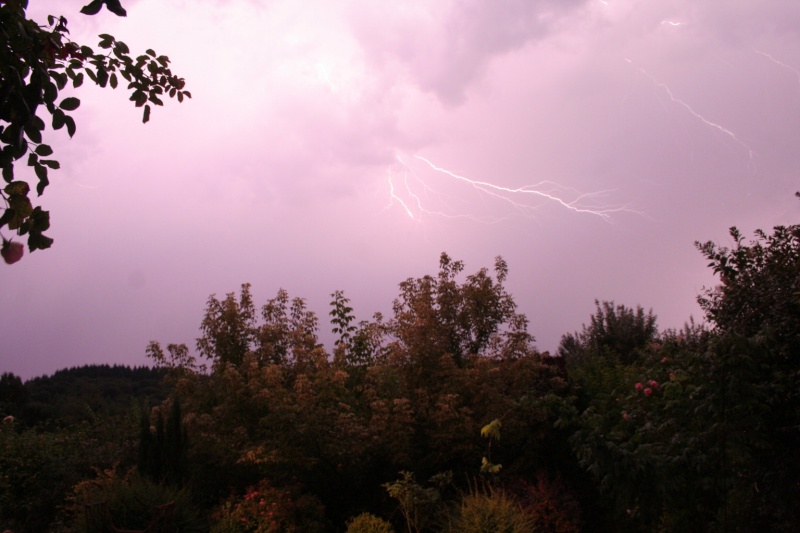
(43, 150)
(70, 104)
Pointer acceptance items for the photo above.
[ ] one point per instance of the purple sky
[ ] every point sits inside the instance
(300, 163)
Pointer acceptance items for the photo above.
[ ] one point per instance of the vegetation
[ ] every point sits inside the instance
(442, 417)
(37, 63)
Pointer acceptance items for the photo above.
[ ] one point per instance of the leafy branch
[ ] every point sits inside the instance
(36, 63)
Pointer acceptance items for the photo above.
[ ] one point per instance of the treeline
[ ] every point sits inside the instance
(444, 417)
(78, 394)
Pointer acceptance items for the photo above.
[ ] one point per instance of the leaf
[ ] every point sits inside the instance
(115, 7)
(489, 468)
(8, 173)
(93, 8)
(61, 79)
(491, 430)
(113, 81)
(41, 172)
(37, 241)
(17, 187)
(59, 119)
(70, 104)
(21, 208)
(50, 92)
(70, 125)
(77, 81)
(146, 114)
(52, 163)
(40, 187)
(43, 150)
(139, 97)
(102, 77)
(122, 48)
(33, 133)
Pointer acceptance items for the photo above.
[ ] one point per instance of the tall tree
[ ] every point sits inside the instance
(614, 330)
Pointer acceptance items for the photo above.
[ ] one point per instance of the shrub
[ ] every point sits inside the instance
(368, 523)
(131, 501)
(489, 510)
(267, 509)
(550, 504)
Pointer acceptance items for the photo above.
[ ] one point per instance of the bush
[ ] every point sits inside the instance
(368, 523)
(266, 509)
(550, 504)
(130, 501)
(489, 510)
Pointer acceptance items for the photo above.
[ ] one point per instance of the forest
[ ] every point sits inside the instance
(442, 417)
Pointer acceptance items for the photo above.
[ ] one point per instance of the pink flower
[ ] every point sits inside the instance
(671, 376)
(653, 383)
(663, 360)
(638, 386)
(648, 391)
(625, 416)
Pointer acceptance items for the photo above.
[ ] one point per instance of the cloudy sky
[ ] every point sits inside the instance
(343, 145)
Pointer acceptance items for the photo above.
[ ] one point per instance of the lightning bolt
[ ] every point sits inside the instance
(689, 108)
(522, 201)
(394, 197)
(780, 63)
